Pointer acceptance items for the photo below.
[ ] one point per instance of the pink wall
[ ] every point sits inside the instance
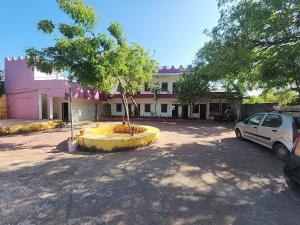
(22, 90)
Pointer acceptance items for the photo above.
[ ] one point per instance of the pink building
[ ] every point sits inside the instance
(34, 95)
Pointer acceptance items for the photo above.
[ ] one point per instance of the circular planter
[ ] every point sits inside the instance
(110, 138)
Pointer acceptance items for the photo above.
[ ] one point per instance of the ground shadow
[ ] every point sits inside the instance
(223, 182)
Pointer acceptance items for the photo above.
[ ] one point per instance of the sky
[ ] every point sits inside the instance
(171, 29)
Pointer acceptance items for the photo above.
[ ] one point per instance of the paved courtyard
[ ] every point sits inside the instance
(197, 173)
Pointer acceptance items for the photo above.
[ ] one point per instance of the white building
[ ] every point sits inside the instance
(166, 104)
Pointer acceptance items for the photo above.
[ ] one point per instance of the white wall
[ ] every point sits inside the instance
(82, 109)
(142, 103)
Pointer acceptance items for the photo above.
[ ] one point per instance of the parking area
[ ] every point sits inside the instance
(197, 173)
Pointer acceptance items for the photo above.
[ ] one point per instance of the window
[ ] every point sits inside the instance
(272, 120)
(146, 87)
(195, 108)
(119, 107)
(164, 86)
(164, 108)
(147, 108)
(255, 120)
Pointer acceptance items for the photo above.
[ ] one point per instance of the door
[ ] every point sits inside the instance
(65, 111)
(202, 111)
(137, 111)
(185, 111)
(175, 111)
(250, 129)
(268, 131)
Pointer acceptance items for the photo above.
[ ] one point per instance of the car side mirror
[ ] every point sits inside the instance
(245, 121)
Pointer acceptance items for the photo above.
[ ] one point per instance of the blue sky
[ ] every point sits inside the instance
(171, 28)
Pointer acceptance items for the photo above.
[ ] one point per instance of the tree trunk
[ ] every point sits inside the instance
(135, 104)
(125, 105)
(156, 105)
(71, 114)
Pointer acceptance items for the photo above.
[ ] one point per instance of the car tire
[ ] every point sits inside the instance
(238, 134)
(281, 151)
(293, 185)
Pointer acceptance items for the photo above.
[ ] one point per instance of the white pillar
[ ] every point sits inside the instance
(50, 109)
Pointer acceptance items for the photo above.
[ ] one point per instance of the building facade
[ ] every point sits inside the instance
(34, 95)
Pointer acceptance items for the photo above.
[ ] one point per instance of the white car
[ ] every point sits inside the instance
(274, 130)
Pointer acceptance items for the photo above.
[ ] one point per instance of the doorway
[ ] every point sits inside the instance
(137, 111)
(202, 111)
(174, 111)
(44, 112)
(65, 111)
(185, 111)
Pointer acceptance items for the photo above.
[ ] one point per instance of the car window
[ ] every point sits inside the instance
(255, 120)
(272, 120)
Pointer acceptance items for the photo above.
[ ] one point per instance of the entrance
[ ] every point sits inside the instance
(65, 111)
(137, 111)
(202, 111)
(185, 111)
(43, 106)
(175, 111)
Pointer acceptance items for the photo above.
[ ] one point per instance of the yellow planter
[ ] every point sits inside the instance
(30, 127)
(109, 138)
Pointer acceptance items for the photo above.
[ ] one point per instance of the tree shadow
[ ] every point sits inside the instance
(227, 182)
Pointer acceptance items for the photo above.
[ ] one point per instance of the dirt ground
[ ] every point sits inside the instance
(197, 173)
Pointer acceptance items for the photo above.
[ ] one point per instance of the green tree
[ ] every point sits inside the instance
(191, 87)
(102, 61)
(155, 89)
(255, 44)
(281, 98)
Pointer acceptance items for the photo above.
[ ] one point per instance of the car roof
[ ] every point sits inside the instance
(286, 113)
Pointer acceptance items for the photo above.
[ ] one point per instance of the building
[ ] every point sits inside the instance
(34, 95)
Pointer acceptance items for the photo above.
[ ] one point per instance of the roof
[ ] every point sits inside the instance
(173, 69)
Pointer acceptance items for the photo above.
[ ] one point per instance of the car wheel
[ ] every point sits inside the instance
(293, 185)
(238, 134)
(281, 151)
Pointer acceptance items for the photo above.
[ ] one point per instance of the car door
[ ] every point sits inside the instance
(268, 131)
(251, 125)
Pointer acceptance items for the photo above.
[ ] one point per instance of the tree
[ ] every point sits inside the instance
(281, 98)
(191, 87)
(255, 44)
(155, 89)
(131, 66)
(98, 60)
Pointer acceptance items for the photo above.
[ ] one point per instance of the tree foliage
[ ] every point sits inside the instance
(255, 44)
(191, 87)
(281, 98)
(103, 61)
